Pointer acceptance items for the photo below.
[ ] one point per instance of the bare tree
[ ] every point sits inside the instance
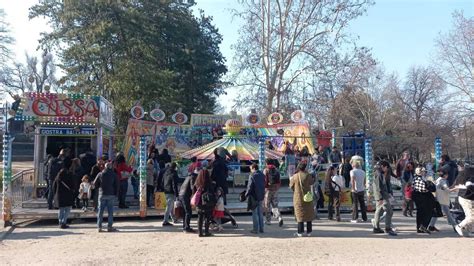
(279, 41)
(6, 40)
(455, 59)
(36, 75)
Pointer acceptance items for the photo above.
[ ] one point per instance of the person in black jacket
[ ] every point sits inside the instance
(185, 194)
(164, 158)
(64, 193)
(54, 166)
(256, 193)
(108, 185)
(219, 174)
(96, 169)
(207, 188)
(170, 187)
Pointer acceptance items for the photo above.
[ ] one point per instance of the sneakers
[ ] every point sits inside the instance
(377, 231)
(205, 234)
(459, 230)
(253, 231)
(64, 226)
(298, 235)
(433, 229)
(112, 229)
(390, 232)
(280, 222)
(424, 230)
(99, 230)
(268, 223)
(308, 235)
(166, 224)
(354, 221)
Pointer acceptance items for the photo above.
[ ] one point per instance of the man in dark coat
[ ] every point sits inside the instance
(450, 167)
(219, 174)
(255, 194)
(54, 166)
(107, 183)
(185, 194)
(170, 187)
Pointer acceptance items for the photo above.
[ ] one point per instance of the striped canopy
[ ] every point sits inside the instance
(246, 150)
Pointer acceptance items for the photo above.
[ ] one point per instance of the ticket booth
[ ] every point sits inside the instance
(79, 122)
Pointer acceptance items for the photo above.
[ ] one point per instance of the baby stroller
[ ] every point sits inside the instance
(227, 218)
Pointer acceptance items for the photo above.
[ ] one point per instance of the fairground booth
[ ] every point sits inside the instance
(78, 122)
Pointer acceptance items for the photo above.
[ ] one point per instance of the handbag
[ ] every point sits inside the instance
(196, 198)
(178, 209)
(160, 200)
(242, 196)
(308, 197)
(437, 212)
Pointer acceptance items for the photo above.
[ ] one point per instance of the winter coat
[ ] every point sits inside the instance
(123, 167)
(150, 174)
(107, 182)
(382, 188)
(186, 189)
(219, 174)
(452, 170)
(63, 190)
(304, 211)
(170, 181)
(256, 186)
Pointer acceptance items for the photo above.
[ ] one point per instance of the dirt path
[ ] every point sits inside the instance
(146, 242)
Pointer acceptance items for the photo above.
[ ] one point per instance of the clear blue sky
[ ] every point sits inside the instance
(401, 33)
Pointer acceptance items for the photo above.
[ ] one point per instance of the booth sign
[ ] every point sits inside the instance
(59, 131)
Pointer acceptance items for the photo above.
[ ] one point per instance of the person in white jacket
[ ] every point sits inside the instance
(442, 195)
(465, 188)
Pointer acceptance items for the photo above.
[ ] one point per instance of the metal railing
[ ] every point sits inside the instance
(22, 187)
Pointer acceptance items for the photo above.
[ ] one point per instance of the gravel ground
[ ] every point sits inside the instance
(147, 242)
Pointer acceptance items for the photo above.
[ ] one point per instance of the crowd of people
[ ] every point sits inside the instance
(72, 182)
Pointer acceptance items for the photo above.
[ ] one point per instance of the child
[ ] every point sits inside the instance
(408, 198)
(442, 195)
(218, 211)
(85, 192)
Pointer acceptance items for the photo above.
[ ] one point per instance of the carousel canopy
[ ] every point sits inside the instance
(246, 150)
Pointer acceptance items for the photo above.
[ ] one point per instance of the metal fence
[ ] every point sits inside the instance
(22, 187)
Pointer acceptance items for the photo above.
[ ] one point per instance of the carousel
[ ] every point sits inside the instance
(240, 147)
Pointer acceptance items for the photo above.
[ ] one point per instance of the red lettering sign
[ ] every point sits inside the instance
(42, 106)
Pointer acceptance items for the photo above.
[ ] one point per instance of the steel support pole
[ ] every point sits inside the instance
(143, 173)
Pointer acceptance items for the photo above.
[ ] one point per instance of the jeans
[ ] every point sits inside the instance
(334, 201)
(257, 217)
(63, 214)
(188, 212)
(445, 209)
(50, 194)
(271, 205)
(123, 192)
(379, 207)
(467, 208)
(136, 186)
(169, 207)
(106, 201)
(149, 195)
(358, 199)
(309, 227)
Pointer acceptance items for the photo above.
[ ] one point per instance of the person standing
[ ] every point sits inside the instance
(96, 169)
(54, 166)
(170, 187)
(123, 172)
(301, 183)
(423, 199)
(358, 185)
(407, 179)
(330, 191)
(450, 167)
(107, 184)
(185, 193)
(164, 158)
(207, 188)
(345, 172)
(255, 194)
(220, 172)
(382, 194)
(77, 172)
(272, 185)
(150, 179)
(335, 157)
(442, 195)
(64, 193)
(401, 164)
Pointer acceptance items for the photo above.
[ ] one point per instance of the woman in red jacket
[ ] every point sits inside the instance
(123, 173)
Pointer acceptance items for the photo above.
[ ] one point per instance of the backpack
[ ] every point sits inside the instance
(208, 199)
(273, 176)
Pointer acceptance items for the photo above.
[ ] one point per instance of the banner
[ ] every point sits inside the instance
(211, 120)
(59, 108)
